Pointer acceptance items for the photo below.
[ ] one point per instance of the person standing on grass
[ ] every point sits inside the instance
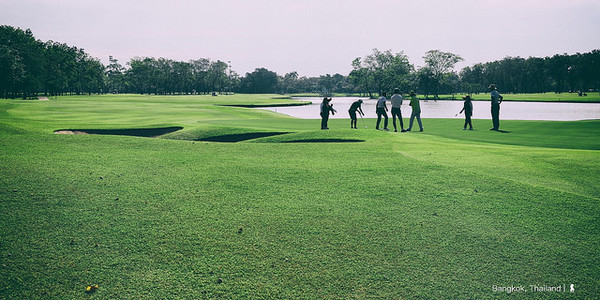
(468, 109)
(382, 111)
(326, 108)
(416, 111)
(396, 104)
(496, 100)
(356, 106)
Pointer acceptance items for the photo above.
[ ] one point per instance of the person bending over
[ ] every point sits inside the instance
(355, 107)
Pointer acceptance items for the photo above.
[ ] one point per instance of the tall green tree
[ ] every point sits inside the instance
(360, 77)
(21, 63)
(472, 79)
(440, 63)
(260, 81)
(289, 82)
(217, 76)
(115, 76)
(199, 69)
(61, 64)
(426, 83)
(141, 75)
(90, 74)
(381, 71)
(558, 68)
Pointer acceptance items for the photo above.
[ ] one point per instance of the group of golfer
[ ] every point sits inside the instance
(396, 100)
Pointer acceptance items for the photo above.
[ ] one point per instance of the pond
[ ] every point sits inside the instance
(509, 110)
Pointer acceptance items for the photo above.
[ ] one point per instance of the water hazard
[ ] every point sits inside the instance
(509, 110)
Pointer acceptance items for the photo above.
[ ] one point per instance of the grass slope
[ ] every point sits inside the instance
(439, 214)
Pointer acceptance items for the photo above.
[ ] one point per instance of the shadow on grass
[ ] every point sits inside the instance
(229, 138)
(233, 138)
(326, 141)
(266, 105)
(140, 132)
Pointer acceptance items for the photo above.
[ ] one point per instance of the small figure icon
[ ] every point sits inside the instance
(572, 288)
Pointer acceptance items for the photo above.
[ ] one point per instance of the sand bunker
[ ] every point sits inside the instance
(140, 132)
(69, 132)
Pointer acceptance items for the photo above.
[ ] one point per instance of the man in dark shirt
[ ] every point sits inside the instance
(496, 100)
(326, 108)
(468, 109)
(381, 110)
(356, 106)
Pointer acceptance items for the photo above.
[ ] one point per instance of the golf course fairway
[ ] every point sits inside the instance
(250, 204)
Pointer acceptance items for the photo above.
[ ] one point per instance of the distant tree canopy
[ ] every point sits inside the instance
(29, 67)
(559, 73)
(261, 81)
(165, 76)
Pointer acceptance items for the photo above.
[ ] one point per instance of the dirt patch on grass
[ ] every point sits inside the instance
(140, 132)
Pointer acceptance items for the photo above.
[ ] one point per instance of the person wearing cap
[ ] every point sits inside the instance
(468, 109)
(381, 110)
(356, 106)
(396, 104)
(416, 111)
(326, 108)
(496, 100)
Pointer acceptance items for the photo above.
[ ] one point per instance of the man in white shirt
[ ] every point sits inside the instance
(382, 111)
(396, 103)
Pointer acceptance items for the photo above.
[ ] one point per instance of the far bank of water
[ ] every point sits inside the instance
(509, 110)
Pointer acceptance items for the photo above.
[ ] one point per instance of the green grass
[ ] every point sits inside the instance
(443, 213)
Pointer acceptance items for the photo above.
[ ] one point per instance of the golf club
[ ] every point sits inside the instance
(361, 117)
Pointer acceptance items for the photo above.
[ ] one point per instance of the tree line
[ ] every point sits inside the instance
(29, 67)
(382, 71)
(559, 73)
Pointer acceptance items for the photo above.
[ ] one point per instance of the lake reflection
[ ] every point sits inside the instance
(509, 110)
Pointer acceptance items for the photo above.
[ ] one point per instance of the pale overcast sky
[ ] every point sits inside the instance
(312, 37)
